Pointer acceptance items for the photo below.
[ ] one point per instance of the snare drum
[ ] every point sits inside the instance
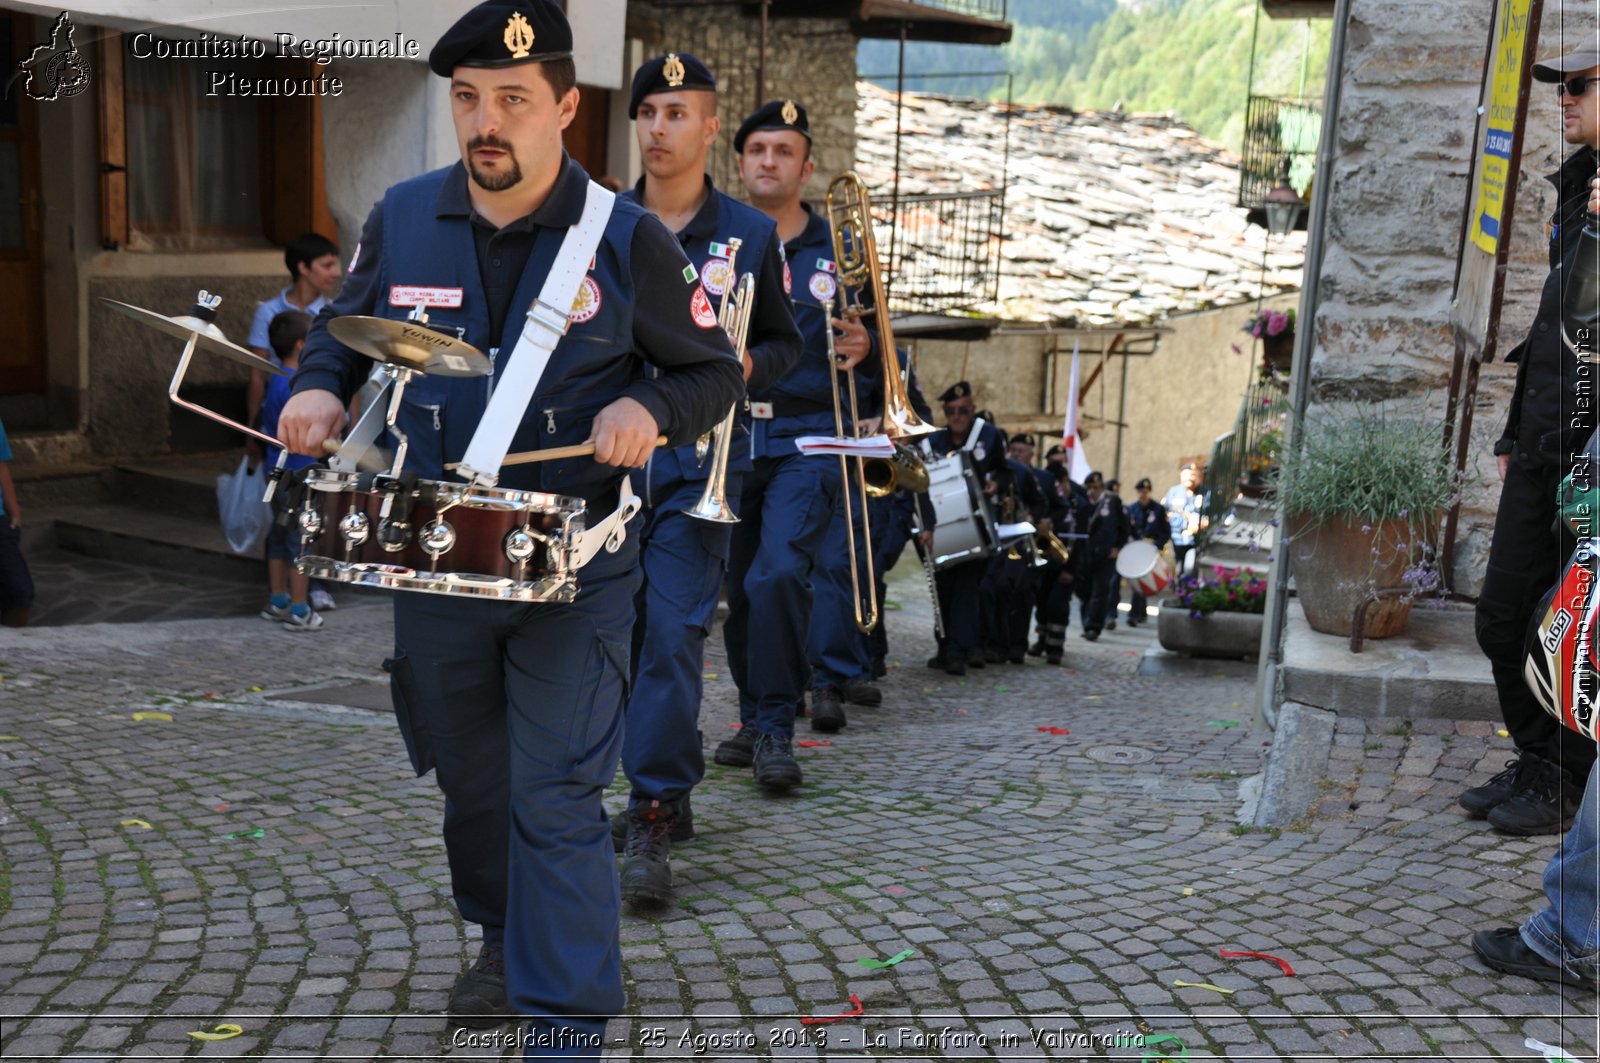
(1142, 562)
(963, 527)
(442, 538)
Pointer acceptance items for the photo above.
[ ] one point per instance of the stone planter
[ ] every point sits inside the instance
(1337, 562)
(1229, 635)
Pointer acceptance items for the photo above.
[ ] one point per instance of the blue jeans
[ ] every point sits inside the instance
(1567, 933)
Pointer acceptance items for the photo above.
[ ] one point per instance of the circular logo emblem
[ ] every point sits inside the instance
(587, 303)
(715, 275)
(979, 453)
(788, 280)
(823, 286)
(700, 307)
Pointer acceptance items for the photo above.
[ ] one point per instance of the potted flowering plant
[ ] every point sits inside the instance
(1275, 330)
(1214, 613)
(1360, 495)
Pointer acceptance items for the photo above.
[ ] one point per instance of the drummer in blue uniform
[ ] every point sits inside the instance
(518, 707)
(1147, 520)
(788, 497)
(674, 107)
(959, 583)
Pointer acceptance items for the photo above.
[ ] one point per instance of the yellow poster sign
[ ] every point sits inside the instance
(1494, 154)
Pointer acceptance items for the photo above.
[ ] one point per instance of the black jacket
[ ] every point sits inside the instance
(1547, 421)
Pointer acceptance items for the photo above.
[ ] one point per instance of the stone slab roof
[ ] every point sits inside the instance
(1110, 218)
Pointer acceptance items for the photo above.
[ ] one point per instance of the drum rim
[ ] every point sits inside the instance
(475, 496)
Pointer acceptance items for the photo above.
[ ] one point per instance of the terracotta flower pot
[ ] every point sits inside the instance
(1337, 562)
(1278, 351)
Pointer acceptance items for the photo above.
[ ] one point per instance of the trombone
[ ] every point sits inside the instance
(866, 608)
(734, 316)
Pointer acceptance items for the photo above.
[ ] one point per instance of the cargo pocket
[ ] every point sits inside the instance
(594, 738)
(408, 712)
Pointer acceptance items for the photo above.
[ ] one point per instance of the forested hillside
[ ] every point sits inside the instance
(1191, 57)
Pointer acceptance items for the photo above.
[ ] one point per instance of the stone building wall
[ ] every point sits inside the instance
(1404, 144)
(810, 60)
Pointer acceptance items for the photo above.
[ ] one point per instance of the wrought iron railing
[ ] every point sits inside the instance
(1278, 130)
(1243, 459)
(941, 251)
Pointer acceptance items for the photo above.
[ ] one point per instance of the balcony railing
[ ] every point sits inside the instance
(1278, 129)
(942, 252)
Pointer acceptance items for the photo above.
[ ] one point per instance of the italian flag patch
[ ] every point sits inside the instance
(689, 275)
(721, 250)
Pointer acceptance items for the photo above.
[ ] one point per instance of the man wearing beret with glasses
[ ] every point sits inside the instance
(518, 706)
(1538, 791)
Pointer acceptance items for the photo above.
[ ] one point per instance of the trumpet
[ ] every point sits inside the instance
(734, 317)
(905, 469)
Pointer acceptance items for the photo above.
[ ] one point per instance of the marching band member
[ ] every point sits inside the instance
(788, 497)
(1016, 578)
(959, 584)
(674, 107)
(518, 707)
(1105, 535)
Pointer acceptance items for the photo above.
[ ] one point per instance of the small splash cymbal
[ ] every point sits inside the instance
(410, 345)
(210, 337)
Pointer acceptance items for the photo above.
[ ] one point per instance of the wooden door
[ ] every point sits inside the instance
(22, 355)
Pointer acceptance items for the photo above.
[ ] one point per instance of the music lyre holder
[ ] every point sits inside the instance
(198, 330)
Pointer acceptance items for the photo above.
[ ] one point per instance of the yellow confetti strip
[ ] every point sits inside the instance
(141, 824)
(1188, 891)
(10, 738)
(223, 1032)
(1204, 985)
(255, 690)
(1503, 733)
(142, 716)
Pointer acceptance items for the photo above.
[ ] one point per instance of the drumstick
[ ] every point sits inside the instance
(528, 457)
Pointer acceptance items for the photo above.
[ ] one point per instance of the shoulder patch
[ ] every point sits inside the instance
(689, 275)
(700, 308)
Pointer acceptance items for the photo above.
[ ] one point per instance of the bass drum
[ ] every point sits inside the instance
(1561, 666)
(963, 528)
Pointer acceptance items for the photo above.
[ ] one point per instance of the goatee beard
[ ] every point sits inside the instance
(493, 182)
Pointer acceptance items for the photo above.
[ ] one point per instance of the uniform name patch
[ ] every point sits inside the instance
(413, 295)
(587, 302)
(700, 308)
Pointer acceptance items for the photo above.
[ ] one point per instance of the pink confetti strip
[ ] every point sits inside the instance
(1225, 954)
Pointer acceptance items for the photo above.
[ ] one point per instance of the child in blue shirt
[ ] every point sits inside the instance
(288, 588)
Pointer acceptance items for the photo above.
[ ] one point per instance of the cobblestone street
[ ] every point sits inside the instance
(1055, 848)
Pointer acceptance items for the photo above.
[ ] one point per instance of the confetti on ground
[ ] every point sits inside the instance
(711, 675)
(1188, 891)
(222, 807)
(1222, 723)
(1552, 1054)
(10, 738)
(142, 716)
(1055, 730)
(1284, 964)
(737, 726)
(1203, 985)
(257, 833)
(141, 824)
(894, 889)
(811, 743)
(1503, 733)
(256, 689)
(223, 1032)
(1158, 1052)
(822, 1020)
(878, 965)
(1001, 687)
(962, 712)
(209, 695)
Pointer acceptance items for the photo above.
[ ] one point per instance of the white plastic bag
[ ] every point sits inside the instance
(245, 518)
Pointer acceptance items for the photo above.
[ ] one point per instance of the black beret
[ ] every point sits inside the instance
(673, 72)
(774, 114)
(1023, 438)
(1058, 449)
(1094, 478)
(1144, 484)
(959, 390)
(503, 33)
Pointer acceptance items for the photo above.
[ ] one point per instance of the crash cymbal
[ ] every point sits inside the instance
(411, 345)
(210, 338)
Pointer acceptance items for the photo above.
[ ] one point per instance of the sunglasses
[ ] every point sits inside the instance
(1577, 86)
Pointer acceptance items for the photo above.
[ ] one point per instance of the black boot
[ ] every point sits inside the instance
(479, 1000)
(646, 873)
(1055, 637)
(682, 825)
(1479, 801)
(738, 751)
(867, 694)
(827, 711)
(776, 770)
(1545, 801)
